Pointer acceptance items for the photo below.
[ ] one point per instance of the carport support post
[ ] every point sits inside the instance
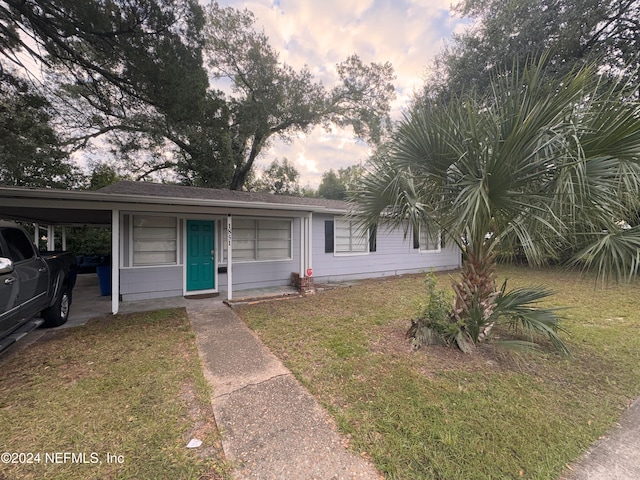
(305, 245)
(309, 239)
(115, 261)
(229, 257)
(302, 246)
(51, 238)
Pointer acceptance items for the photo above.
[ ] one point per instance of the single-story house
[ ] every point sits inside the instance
(171, 240)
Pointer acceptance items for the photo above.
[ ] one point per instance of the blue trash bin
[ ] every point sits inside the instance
(104, 279)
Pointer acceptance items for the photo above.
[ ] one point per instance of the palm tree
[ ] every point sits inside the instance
(533, 167)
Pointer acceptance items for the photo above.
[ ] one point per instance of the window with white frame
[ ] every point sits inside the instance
(429, 238)
(260, 240)
(155, 240)
(350, 237)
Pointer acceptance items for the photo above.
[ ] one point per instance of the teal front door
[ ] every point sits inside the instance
(200, 255)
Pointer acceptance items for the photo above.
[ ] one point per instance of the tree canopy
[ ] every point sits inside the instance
(126, 44)
(507, 33)
(31, 154)
(338, 185)
(126, 72)
(279, 178)
(132, 73)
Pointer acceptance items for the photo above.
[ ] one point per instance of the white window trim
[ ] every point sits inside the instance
(223, 239)
(142, 267)
(336, 253)
(439, 242)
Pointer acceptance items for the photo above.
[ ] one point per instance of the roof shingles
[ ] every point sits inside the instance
(149, 189)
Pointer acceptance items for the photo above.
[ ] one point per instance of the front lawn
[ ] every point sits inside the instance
(118, 398)
(439, 414)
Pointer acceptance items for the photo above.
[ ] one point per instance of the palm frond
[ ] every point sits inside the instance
(518, 345)
(613, 254)
(518, 309)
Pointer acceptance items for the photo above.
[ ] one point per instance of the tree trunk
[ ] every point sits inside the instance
(476, 294)
(239, 177)
(243, 169)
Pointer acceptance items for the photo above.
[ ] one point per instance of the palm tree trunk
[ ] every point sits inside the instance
(476, 293)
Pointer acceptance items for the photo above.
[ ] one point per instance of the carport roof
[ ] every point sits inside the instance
(52, 206)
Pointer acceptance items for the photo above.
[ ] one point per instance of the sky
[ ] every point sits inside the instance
(322, 33)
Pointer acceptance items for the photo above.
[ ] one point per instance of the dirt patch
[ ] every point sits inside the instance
(433, 359)
(392, 339)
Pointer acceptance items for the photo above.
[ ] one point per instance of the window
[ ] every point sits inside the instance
(155, 240)
(428, 239)
(20, 248)
(328, 236)
(260, 239)
(349, 237)
(373, 238)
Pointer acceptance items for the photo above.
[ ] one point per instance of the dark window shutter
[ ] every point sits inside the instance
(373, 238)
(416, 239)
(328, 236)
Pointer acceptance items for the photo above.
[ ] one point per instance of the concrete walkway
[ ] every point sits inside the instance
(272, 428)
(616, 456)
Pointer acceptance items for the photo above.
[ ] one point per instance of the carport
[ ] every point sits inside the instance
(64, 208)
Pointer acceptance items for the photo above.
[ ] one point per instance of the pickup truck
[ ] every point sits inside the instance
(32, 284)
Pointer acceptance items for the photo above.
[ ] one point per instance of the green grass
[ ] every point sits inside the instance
(130, 386)
(439, 414)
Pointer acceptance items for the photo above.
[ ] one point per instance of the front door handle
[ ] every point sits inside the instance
(42, 269)
(9, 281)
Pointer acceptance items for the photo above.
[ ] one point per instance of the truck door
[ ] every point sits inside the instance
(31, 272)
(9, 307)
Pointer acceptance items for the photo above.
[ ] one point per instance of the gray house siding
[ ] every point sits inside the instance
(150, 282)
(394, 255)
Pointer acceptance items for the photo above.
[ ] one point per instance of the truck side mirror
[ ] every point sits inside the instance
(6, 265)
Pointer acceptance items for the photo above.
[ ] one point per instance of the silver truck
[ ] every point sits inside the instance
(35, 288)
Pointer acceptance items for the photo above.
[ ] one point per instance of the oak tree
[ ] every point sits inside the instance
(271, 99)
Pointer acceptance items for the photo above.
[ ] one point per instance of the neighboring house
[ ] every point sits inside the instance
(170, 240)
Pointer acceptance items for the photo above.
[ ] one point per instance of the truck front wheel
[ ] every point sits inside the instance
(58, 313)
